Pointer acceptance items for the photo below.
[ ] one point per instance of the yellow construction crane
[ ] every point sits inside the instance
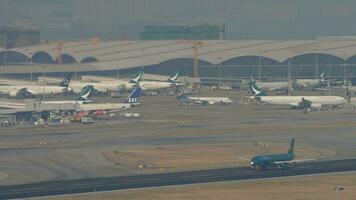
(196, 44)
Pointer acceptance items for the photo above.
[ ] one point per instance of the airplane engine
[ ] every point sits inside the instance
(13, 93)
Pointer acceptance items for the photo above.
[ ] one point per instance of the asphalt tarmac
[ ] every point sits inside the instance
(169, 179)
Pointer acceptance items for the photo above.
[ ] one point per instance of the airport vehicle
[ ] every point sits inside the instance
(310, 83)
(195, 100)
(297, 102)
(36, 90)
(81, 99)
(158, 85)
(282, 161)
(104, 108)
(108, 86)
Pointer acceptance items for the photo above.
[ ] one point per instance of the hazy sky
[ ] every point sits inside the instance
(124, 19)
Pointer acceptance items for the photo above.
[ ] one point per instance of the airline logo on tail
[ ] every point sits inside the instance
(66, 81)
(174, 79)
(255, 90)
(133, 98)
(138, 78)
(322, 79)
(85, 94)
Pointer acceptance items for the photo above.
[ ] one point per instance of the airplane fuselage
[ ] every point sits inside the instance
(155, 85)
(34, 89)
(270, 160)
(107, 86)
(295, 100)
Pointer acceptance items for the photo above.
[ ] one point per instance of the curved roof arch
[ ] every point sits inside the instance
(89, 59)
(67, 59)
(42, 57)
(245, 58)
(309, 58)
(351, 60)
(13, 57)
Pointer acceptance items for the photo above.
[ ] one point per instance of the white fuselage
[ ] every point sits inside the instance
(155, 85)
(33, 89)
(12, 105)
(213, 100)
(295, 100)
(272, 86)
(104, 86)
(104, 106)
(307, 83)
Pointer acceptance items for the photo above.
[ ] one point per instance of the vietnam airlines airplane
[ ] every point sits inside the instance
(282, 161)
(36, 90)
(103, 108)
(297, 102)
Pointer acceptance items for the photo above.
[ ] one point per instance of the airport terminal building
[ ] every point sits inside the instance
(263, 59)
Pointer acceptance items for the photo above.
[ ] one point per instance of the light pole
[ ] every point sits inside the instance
(5, 53)
(329, 66)
(316, 64)
(289, 78)
(219, 68)
(337, 189)
(259, 64)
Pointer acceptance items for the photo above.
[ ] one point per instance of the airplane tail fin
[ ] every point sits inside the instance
(322, 78)
(134, 96)
(174, 79)
(66, 81)
(85, 94)
(291, 147)
(137, 78)
(255, 90)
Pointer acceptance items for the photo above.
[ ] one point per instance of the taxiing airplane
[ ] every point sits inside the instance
(194, 100)
(282, 161)
(296, 102)
(36, 90)
(103, 108)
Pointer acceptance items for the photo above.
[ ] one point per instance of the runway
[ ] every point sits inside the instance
(168, 179)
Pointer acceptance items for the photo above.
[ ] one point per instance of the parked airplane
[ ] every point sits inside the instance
(12, 105)
(310, 83)
(35, 90)
(81, 99)
(193, 100)
(158, 85)
(282, 161)
(108, 86)
(297, 102)
(280, 86)
(103, 108)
